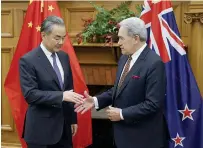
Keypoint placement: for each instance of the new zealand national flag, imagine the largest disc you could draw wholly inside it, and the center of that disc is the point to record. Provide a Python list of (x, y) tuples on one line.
[(184, 104)]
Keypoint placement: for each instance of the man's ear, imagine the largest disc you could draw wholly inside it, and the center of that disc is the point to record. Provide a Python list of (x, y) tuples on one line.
[(137, 38), (43, 35)]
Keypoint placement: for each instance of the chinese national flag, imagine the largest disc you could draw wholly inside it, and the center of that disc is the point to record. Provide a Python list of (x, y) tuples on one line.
[(30, 38)]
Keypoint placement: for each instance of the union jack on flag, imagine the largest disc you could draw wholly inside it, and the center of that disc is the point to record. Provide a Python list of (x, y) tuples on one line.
[(184, 104)]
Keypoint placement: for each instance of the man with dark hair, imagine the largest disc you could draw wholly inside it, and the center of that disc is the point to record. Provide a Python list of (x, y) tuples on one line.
[(47, 85)]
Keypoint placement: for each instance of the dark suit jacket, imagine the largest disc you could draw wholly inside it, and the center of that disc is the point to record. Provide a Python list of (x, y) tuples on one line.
[(141, 98), (46, 115)]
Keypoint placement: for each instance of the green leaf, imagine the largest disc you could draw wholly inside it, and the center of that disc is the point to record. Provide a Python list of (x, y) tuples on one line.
[(101, 26)]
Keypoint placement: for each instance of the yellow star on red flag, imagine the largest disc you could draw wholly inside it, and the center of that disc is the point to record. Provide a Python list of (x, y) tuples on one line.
[(30, 24), (50, 8), (38, 28)]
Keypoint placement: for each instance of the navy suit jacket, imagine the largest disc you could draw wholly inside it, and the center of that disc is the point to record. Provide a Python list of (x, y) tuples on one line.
[(141, 98), (47, 115)]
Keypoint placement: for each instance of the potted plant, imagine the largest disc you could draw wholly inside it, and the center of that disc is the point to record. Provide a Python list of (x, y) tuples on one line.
[(104, 28)]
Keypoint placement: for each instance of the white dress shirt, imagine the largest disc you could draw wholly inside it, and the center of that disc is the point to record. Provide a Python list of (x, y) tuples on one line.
[(49, 57), (134, 59)]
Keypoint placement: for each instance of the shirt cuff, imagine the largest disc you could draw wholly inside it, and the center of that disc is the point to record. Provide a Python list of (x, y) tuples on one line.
[(63, 98), (121, 115), (96, 104)]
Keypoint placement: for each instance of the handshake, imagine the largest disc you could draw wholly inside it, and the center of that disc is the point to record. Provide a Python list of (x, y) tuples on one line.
[(82, 103)]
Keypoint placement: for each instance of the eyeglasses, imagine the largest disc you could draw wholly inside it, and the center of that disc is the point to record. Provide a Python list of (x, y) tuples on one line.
[(58, 40)]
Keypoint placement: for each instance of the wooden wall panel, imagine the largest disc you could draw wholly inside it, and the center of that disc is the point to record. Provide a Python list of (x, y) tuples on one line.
[(9, 135), (19, 17), (73, 12), (7, 123), (194, 17), (94, 55), (74, 19), (7, 23), (12, 19), (99, 74)]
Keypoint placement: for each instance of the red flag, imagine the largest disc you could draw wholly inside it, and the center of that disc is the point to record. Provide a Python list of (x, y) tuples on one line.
[(30, 38)]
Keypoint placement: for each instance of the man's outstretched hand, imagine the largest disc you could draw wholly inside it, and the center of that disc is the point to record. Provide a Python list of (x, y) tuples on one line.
[(86, 105)]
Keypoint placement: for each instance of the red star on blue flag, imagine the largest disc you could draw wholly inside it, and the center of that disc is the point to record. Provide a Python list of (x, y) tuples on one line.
[(187, 113), (178, 140)]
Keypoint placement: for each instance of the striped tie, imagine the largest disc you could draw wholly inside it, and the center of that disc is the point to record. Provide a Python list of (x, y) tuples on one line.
[(125, 72)]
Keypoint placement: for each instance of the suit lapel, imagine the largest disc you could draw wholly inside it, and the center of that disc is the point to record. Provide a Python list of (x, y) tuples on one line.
[(120, 69), (47, 65), (135, 68)]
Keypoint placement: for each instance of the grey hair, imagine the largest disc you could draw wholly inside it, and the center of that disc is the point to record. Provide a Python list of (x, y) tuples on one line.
[(47, 24), (135, 26)]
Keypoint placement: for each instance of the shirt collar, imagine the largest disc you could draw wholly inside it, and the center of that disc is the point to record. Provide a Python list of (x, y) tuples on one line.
[(46, 51), (138, 52)]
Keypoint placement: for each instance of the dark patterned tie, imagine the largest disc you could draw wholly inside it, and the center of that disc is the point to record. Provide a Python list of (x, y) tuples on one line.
[(125, 72), (56, 69)]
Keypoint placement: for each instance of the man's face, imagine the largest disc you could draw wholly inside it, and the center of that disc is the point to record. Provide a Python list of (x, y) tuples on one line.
[(126, 42), (54, 40)]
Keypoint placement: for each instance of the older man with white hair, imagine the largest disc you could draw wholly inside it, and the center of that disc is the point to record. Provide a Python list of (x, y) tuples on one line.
[(137, 98)]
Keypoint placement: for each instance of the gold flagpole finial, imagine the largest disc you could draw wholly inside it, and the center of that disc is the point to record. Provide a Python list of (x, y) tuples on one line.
[(42, 5), (31, 1)]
